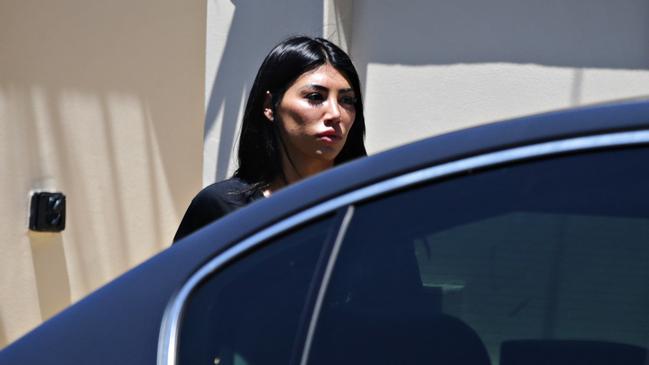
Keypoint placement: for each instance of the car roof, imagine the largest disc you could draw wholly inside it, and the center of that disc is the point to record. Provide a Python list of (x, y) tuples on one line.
[(491, 137), (99, 327)]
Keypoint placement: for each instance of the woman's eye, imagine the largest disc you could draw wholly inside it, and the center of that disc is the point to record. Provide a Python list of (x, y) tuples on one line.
[(349, 100), (315, 97)]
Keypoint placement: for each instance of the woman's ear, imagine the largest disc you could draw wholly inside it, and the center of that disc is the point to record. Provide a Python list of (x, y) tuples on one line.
[(268, 106)]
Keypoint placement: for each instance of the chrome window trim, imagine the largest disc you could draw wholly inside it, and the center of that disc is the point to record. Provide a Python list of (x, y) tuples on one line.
[(324, 283), (167, 342)]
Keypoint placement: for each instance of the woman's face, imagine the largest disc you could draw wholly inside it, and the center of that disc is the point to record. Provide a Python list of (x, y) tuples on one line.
[(315, 116)]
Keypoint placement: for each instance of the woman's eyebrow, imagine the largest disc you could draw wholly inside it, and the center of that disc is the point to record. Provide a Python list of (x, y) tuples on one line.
[(323, 88), (315, 86)]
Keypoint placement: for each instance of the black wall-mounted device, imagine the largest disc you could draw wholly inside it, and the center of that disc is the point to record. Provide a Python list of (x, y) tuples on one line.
[(47, 212)]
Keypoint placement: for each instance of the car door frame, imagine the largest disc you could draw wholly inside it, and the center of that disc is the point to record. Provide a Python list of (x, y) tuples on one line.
[(169, 329)]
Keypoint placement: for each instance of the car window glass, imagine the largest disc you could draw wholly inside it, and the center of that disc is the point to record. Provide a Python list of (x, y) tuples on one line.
[(539, 262), (252, 311)]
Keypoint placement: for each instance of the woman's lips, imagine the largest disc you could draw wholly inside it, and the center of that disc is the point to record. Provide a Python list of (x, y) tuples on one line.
[(328, 137)]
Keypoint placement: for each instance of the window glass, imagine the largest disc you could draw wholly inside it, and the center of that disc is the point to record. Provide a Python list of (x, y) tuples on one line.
[(253, 311), (540, 262)]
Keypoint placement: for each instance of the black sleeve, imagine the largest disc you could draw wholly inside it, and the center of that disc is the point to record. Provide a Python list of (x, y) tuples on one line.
[(205, 208)]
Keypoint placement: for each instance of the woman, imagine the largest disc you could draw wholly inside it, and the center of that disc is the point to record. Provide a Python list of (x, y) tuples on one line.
[(304, 115)]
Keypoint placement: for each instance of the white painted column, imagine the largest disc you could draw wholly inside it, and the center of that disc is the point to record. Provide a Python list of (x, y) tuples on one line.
[(337, 22)]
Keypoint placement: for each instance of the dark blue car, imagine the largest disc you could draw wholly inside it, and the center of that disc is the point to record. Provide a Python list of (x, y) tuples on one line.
[(521, 242)]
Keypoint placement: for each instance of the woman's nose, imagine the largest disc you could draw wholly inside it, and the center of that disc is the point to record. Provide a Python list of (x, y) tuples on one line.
[(333, 110)]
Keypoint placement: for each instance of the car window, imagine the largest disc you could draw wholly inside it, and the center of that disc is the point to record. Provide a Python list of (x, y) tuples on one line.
[(539, 262), (252, 312)]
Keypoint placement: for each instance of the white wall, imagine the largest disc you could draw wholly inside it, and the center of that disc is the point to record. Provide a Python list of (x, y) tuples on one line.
[(239, 35), (433, 66), (430, 67)]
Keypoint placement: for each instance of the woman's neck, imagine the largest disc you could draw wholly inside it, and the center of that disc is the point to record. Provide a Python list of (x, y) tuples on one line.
[(294, 170)]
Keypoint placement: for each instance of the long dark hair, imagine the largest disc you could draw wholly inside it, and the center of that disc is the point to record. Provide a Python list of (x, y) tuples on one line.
[(260, 147)]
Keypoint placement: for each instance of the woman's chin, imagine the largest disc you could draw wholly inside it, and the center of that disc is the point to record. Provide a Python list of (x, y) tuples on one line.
[(327, 153)]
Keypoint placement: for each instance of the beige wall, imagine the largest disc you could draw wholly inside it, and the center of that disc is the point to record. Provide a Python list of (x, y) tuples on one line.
[(102, 100)]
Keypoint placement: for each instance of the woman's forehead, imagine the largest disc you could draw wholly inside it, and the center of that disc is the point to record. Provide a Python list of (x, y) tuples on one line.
[(324, 75)]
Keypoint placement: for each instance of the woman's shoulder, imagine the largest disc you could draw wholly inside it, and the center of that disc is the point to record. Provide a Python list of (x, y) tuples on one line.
[(213, 202), (233, 191), (226, 186)]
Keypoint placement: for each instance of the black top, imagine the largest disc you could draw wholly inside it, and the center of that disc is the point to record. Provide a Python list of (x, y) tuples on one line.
[(215, 201)]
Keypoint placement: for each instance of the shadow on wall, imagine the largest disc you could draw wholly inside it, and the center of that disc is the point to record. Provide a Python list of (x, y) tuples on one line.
[(572, 33), (109, 107), (256, 27), (51, 272), (3, 337), (102, 49)]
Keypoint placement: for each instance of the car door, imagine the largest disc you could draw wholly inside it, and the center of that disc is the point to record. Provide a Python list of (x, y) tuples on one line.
[(252, 308), (525, 255), (534, 255)]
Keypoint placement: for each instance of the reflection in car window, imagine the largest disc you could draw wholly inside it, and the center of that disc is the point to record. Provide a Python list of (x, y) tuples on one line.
[(541, 262), (251, 313)]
